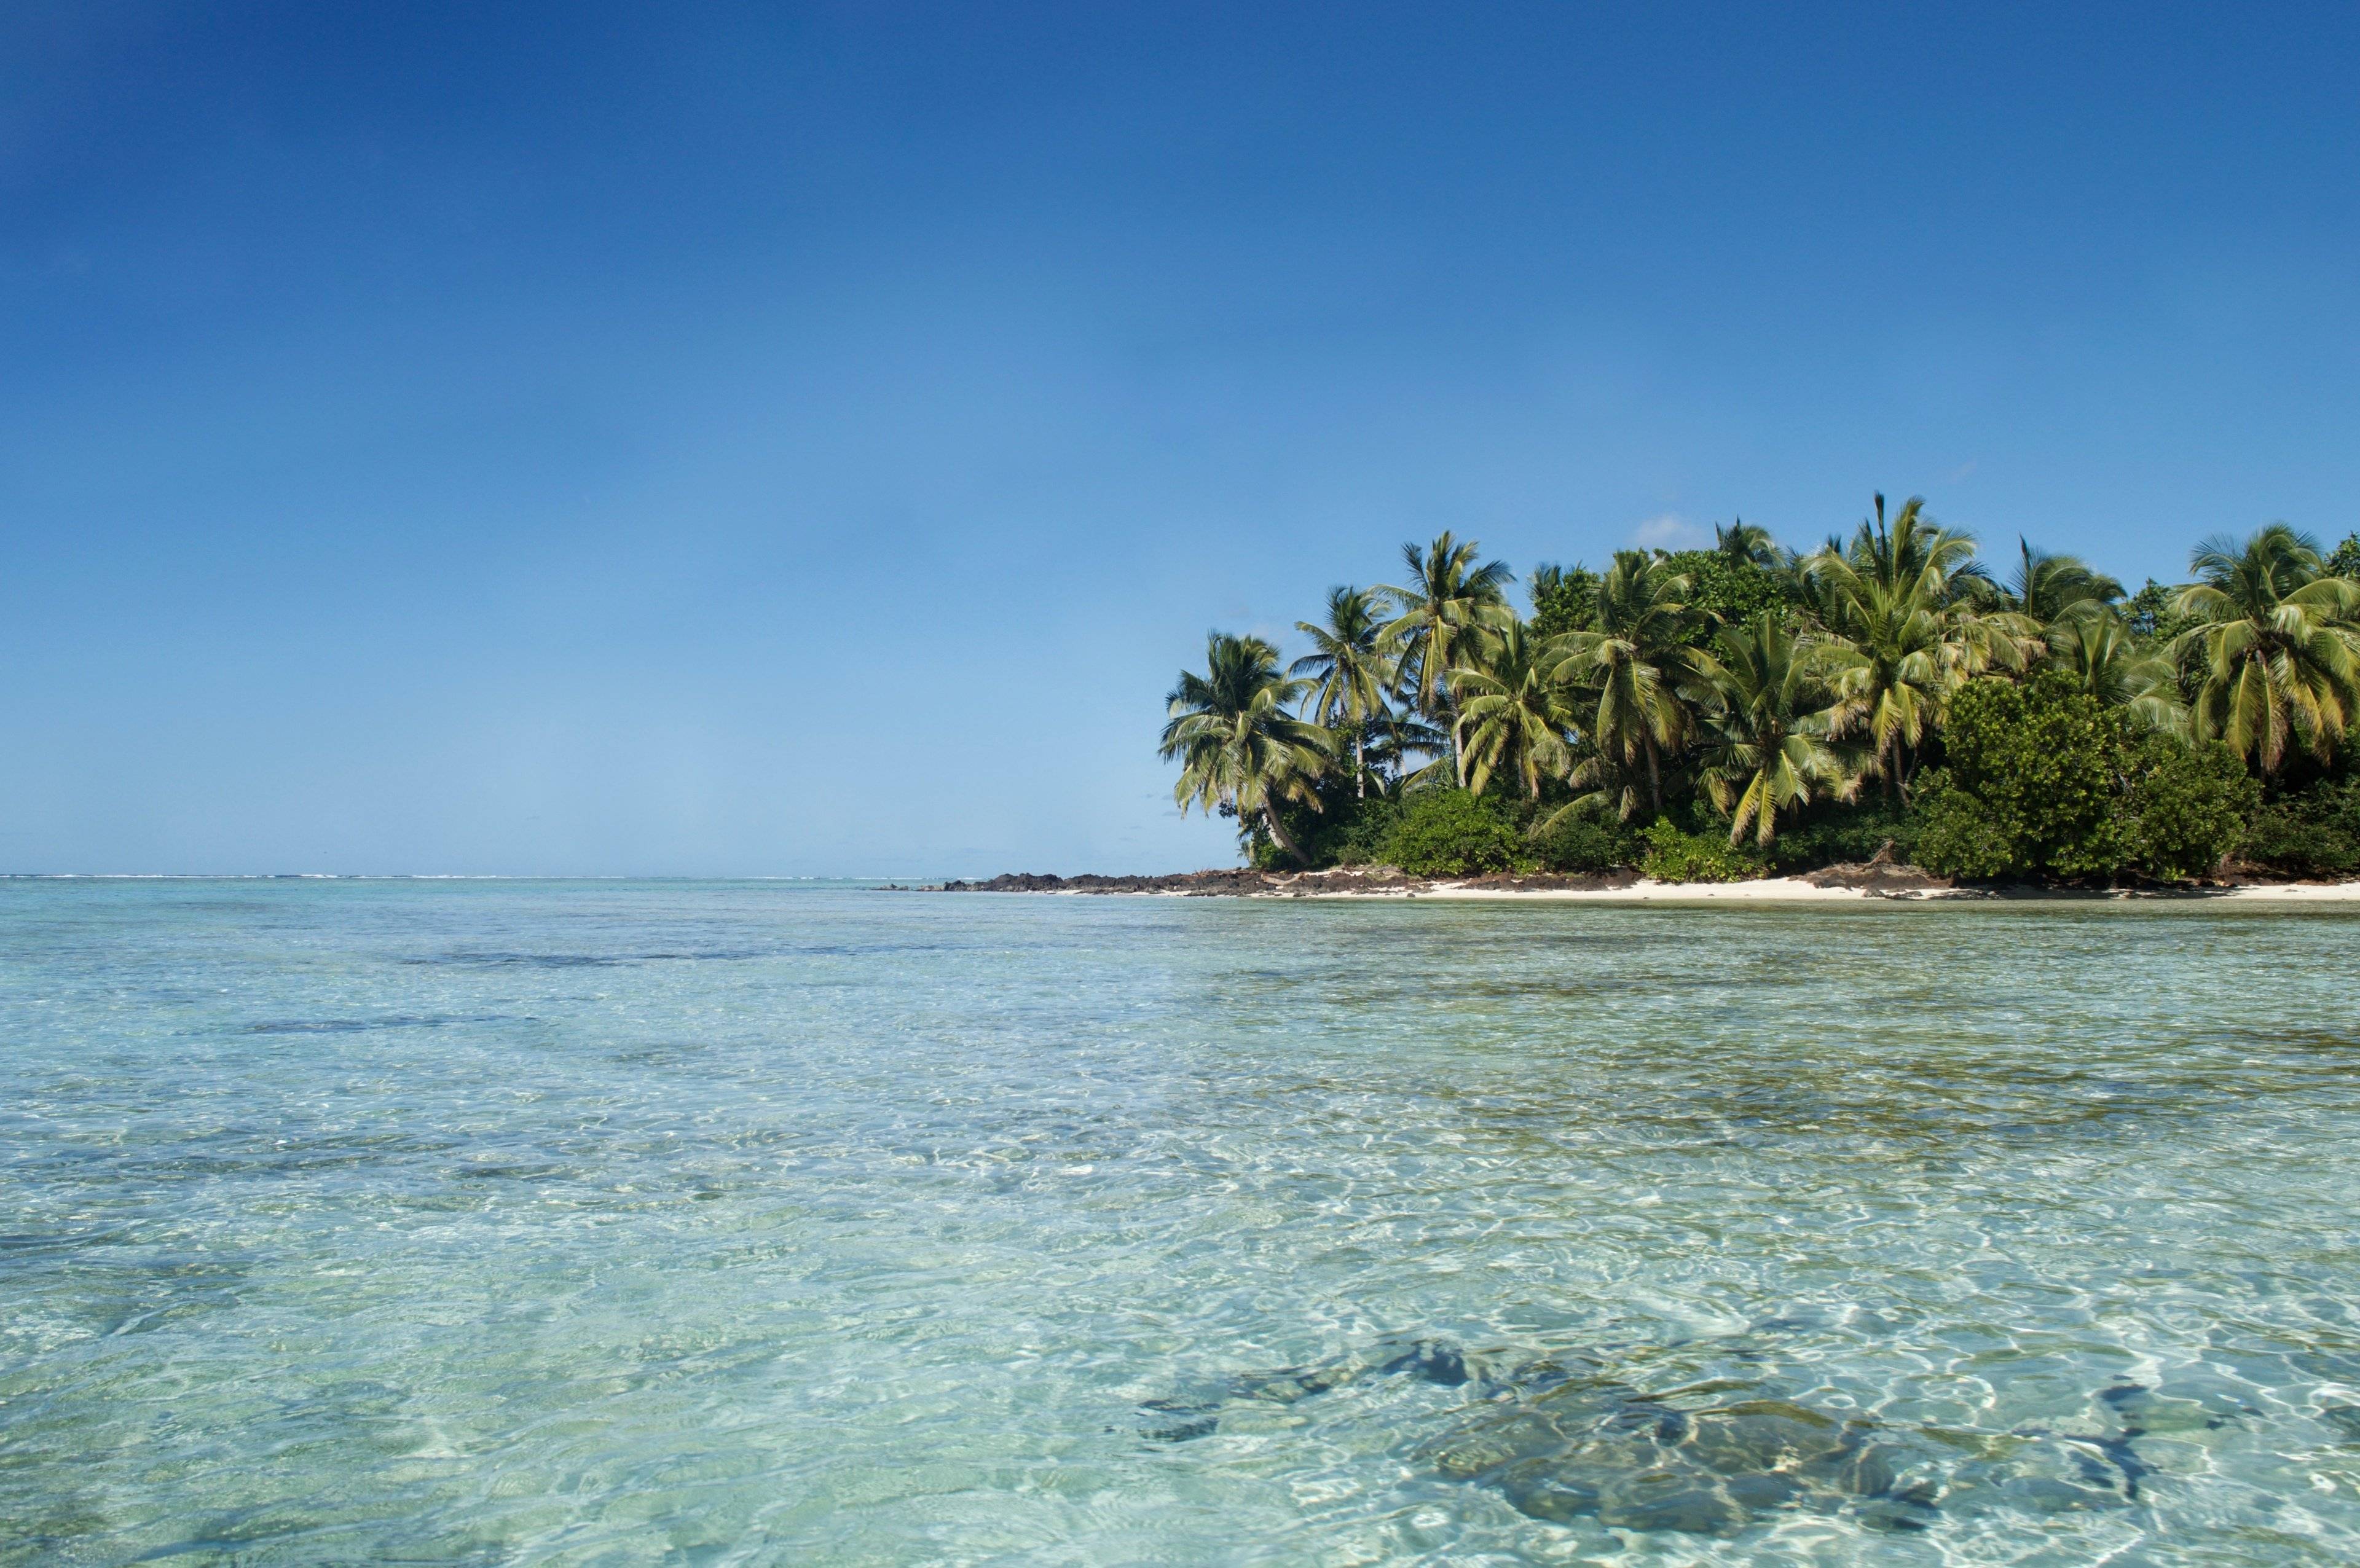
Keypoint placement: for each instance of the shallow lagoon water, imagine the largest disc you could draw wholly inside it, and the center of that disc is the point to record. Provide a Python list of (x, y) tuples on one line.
[(615, 1222)]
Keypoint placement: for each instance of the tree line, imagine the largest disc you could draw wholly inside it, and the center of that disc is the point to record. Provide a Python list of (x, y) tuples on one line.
[(1728, 712)]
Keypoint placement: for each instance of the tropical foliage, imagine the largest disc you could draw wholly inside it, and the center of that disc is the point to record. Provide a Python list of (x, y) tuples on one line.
[(1352, 687), (1241, 752), (2274, 634), (1514, 714), (1771, 718), (1708, 713), (1631, 662), (2045, 778), (1451, 605)]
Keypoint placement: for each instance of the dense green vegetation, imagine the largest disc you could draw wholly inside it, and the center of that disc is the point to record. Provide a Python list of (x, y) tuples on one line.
[(1730, 712)]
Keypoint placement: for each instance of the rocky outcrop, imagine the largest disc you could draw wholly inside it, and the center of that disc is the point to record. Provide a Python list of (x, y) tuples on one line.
[(1880, 873), (1871, 876)]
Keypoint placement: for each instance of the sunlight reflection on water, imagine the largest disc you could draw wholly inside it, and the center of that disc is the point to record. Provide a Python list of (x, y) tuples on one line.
[(711, 1223)]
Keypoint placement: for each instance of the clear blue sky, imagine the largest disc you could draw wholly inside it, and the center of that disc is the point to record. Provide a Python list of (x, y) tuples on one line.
[(711, 439)]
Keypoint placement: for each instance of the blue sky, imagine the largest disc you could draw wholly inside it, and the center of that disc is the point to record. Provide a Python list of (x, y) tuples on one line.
[(774, 440)]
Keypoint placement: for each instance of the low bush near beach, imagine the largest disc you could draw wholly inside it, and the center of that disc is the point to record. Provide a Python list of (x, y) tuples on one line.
[(1450, 832), (1580, 844), (2315, 832), (2044, 780), (1676, 857)]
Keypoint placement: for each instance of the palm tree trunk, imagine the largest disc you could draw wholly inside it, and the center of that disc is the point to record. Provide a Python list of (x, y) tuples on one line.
[(1655, 777), (1278, 831), (1361, 761)]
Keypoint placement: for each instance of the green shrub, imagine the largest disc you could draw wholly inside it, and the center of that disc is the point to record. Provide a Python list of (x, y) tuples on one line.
[(2030, 788), (1586, 843), (1342, 828), (1450, 832), (2150, 614), (1348, 829), (2045, 781), (1676, 857), (2313, 833), (1563, 601), (1731, 592), (1843, 834), (1960, 833), (2188, 806)]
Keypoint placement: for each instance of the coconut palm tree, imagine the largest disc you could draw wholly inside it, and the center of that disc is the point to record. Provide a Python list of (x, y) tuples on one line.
[(1449, 603), (2275, 643), (1769, 716), (2048, 587), (1513, 712), (1748, 545), (1393, 744), (1239, 746), (2096, 649), (1898, 607), (1634, 665), (1353, 676)]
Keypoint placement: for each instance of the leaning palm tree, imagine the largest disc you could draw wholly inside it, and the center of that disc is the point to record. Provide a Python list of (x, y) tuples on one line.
[(1769, 716), (1634, 665), (2277, 643), (2097, 652), (1898, 606), (2049, 588), (1239, 746), (1513, 712), (1449, 603)]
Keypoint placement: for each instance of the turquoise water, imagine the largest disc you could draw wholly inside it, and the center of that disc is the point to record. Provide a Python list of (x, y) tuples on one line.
[(747, 1224)]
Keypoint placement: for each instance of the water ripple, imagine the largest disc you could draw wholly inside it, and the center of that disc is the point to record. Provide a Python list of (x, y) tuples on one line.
[(744, 1224)]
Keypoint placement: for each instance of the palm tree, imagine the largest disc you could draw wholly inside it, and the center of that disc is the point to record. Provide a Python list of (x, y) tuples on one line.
[(1353, 678), (1748, 544), (1449, 603), (1390, 745), (1239, 746), (2097, 651), (2048, 587), (1634, 663), (1898, 606), (1770, 717), (2277, 644), (1513, 712)]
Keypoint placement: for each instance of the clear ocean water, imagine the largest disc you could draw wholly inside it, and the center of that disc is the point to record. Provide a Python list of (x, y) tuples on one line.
[(652, 1223)]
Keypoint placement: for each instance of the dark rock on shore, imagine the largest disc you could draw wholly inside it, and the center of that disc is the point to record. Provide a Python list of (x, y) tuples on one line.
[(1880, 873), (1878, 876), (1210, 883)]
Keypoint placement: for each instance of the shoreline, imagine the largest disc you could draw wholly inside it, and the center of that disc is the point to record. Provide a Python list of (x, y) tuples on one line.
[(1839, 884)]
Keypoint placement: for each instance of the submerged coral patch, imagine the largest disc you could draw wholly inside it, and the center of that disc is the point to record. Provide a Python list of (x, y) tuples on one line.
[(1568, 1438)]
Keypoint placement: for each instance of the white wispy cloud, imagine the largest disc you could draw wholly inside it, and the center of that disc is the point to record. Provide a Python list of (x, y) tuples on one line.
[(1668, 531)]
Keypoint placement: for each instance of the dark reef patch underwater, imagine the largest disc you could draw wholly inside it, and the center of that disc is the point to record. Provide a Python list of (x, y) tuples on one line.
[(1570, 1436)]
